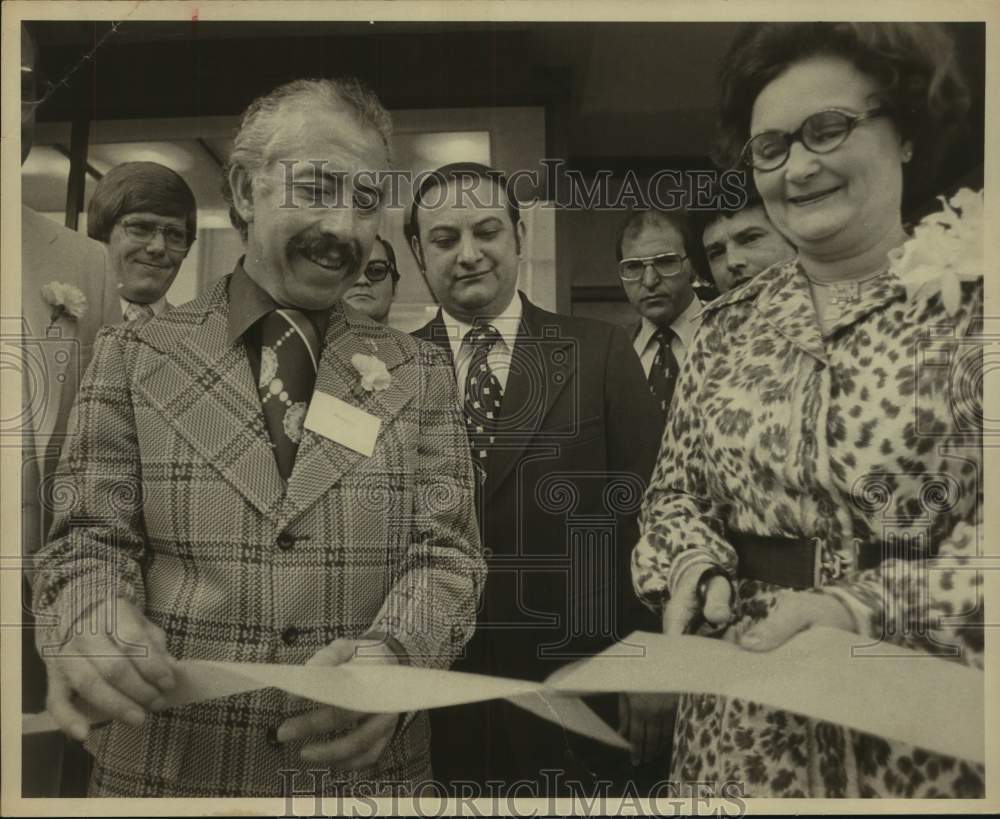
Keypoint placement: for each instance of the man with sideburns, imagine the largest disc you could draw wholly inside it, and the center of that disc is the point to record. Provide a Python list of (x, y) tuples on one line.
[(739, 243), (217, 513), (147, 217), (563, 435)]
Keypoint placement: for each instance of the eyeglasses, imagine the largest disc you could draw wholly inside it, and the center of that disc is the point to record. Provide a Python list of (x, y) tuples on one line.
[(378, 269), (174, 238), (821, 133), (665, 265)]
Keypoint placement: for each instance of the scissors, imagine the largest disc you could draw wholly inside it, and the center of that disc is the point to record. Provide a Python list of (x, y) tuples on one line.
[(698, 621)]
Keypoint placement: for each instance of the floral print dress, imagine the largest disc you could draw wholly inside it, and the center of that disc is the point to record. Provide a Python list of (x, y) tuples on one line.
[(867, 433)]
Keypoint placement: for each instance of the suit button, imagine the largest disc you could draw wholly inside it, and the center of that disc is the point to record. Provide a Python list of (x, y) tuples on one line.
[(286, 541), (290, 636)]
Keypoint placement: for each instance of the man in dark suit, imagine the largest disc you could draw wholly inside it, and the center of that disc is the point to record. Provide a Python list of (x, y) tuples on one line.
[(654, 266), (563, 435)]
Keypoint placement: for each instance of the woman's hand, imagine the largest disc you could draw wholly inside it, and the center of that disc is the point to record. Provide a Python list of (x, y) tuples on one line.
[(684, 605), (795, 611)]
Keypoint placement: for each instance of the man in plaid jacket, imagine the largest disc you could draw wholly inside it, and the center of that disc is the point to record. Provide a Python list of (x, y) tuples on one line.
[(198, 528)]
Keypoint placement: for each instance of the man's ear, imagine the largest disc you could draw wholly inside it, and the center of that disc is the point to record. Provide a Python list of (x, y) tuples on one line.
[(520, 233), (417, 252), (241, 185)]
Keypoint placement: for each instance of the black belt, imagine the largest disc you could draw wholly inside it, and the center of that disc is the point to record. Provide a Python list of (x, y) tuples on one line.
[(799, 563)]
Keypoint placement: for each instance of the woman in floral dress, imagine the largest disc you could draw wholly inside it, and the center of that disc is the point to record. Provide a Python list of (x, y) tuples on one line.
[(825, 429)]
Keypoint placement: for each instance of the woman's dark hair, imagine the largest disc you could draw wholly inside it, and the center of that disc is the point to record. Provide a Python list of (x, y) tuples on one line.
[(140, 187), (913, 64)]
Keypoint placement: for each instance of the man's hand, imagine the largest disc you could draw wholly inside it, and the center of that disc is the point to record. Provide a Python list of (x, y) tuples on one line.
[(795, 611), (366, 736), (117, 664), (647, 721), (683, 605)]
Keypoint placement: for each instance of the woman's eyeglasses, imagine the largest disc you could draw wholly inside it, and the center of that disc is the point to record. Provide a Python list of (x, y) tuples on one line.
[(665, 265), (174, 238), (378, 269), (821, 133)]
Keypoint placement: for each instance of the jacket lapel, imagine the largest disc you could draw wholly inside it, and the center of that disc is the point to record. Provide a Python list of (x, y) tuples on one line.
[(320, 462), (542, 365), (203, 387), (436, 332)]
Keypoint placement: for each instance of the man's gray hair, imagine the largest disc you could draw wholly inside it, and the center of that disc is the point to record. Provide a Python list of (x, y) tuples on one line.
[(261, 118)]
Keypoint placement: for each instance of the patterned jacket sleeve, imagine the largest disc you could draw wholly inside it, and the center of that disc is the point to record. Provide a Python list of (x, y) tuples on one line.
[(677, 527), (931, 608), (936, 606), (95, 547), (431, 608)]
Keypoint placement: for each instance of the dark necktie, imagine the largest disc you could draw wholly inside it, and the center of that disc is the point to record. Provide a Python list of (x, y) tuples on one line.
[(288, 358), (134, 310), (482, 392), (663, 373)]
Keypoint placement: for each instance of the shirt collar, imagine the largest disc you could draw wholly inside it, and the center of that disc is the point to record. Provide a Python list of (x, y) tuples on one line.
[(508, 324), (157, 306), (685, 325), (249, 302)]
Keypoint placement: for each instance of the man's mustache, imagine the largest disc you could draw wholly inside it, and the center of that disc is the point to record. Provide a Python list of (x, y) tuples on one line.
[(328, 251)]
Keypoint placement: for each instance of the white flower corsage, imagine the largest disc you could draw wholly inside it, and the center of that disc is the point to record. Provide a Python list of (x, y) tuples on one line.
[(374, 374), (946, 248), (65, 300)]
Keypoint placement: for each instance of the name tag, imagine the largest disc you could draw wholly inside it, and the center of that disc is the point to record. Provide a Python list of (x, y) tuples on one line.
[(343, 423)]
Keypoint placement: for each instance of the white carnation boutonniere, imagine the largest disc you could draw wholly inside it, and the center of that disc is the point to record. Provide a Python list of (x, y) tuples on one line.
[(946, 248), (374, 375), (64, 300)]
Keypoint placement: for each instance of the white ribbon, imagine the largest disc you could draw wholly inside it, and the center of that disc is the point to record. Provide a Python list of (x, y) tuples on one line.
[(822, 673)]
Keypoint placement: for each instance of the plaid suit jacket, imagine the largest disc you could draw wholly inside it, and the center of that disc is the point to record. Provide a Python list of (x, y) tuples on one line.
[(171, 498)]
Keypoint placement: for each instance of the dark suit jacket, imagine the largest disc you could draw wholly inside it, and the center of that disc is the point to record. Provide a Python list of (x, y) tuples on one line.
[(575, 446), (576, 443)]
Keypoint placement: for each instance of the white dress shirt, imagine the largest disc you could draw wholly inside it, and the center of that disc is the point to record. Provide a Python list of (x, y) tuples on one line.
[(508, 323), (684, 327)]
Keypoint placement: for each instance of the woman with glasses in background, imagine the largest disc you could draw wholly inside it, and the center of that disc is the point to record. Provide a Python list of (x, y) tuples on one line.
[(147, 216), (373, 292), (806, 435)]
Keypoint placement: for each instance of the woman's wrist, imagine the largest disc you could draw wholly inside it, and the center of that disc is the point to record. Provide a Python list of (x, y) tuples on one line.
[(831, 611)]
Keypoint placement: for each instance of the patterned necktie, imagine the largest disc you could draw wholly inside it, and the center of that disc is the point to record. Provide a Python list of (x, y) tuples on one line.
[(134, 311), (482, 391), (663, 373), (288, 360)]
